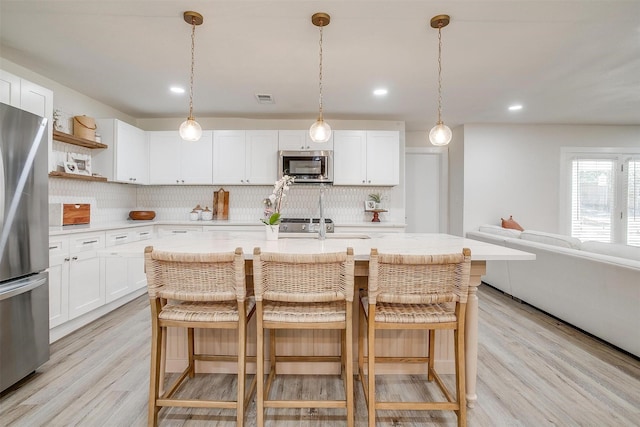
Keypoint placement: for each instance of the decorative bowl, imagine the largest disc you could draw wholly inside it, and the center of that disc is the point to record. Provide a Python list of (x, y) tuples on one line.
[(142, 215)]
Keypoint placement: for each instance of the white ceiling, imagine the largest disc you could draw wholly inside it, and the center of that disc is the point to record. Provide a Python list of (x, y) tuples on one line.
[(566, 61)]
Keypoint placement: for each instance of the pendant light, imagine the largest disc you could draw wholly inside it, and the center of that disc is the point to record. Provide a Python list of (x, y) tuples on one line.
[(320, 131), (190, 130), (440, 134)]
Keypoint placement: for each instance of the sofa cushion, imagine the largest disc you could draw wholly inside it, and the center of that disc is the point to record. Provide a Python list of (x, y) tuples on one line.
[(511, 223), (612, 249), (551, 239), (497, 230)]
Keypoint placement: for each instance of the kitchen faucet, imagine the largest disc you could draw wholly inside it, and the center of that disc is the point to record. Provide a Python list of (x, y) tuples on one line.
[(322, 227)]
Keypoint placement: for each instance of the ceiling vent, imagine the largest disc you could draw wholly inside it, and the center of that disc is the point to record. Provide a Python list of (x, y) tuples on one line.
[(265, 98)]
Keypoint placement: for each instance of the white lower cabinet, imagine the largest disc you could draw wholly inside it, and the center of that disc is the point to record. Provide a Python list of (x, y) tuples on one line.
[(85, 290), (83, 284), (123, 275), (58, 280)]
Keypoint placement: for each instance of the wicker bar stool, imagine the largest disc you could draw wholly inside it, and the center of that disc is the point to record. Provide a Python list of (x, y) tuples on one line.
[(415, 292), (303, 291), (197, 291)]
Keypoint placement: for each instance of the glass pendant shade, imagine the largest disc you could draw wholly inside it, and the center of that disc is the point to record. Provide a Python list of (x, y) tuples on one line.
[(440, 134), (320, 131), (190, 130)]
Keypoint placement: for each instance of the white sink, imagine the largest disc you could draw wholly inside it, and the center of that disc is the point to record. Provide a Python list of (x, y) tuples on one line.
[(329, 236)]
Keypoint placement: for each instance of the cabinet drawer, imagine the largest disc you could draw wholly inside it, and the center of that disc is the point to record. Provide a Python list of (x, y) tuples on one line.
[(86, 242), (58, 249), (119, 237), (185, 230), (143, 233)]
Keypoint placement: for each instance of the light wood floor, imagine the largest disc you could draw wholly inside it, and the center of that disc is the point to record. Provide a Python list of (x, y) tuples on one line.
[(533, 371)]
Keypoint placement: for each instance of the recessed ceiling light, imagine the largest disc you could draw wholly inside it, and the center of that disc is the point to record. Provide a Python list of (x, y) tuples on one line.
[(515, 107), (380, 92), (176, 89)]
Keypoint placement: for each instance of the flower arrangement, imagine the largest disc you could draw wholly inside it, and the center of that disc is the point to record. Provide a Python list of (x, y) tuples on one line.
[(273, 203)]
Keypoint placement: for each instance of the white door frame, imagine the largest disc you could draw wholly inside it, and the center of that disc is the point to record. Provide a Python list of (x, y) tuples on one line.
[(443, 152)]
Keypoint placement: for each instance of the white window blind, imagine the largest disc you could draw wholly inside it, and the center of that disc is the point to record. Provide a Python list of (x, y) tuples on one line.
[(633, 203), (593, 192)]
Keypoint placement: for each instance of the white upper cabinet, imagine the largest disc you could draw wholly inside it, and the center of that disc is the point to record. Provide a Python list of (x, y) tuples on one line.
[(175, 161), (9, 89), (366, 158), (30, 97), (245, 157), (299, 140), (127, 157)]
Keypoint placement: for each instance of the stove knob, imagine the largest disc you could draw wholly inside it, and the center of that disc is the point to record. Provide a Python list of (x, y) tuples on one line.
[(304, 227)]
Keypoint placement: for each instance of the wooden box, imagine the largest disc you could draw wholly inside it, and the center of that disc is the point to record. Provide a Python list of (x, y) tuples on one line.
[(69, 214)]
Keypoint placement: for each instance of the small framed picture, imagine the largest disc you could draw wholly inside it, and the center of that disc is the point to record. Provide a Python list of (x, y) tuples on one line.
[(369, 205), (70, 167), (82, 163)]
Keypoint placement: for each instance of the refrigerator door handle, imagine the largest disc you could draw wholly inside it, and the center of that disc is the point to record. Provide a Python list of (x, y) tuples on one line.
[(21, 286), (4, 192)]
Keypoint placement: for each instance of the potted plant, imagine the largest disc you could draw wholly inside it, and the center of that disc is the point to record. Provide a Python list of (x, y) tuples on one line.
[(273, 205), (376, 197)]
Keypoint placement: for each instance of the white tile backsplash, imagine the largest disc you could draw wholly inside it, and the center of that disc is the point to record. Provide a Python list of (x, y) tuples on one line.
[(112, 202)]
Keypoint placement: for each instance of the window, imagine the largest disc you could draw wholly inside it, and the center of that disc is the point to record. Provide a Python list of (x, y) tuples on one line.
[(604, 195)]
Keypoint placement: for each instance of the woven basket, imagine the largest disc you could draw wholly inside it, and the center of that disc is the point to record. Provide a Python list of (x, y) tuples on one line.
[(84, 127)]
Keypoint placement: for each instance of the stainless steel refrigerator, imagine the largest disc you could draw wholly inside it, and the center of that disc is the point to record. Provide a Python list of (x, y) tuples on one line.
[(24, 238)]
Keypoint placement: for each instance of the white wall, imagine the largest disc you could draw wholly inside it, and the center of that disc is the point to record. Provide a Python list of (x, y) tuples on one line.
[(515, 169), (456, 182)]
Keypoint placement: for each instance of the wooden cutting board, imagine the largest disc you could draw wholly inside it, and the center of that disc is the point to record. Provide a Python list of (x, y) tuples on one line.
[(221, 204)]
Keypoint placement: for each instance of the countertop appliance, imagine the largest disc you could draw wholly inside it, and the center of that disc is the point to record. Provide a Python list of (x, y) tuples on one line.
[(303, 225), (306, 166), (24, 244)]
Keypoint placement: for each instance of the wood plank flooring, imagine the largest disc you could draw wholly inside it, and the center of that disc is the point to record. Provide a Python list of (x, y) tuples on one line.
[(533, 370)]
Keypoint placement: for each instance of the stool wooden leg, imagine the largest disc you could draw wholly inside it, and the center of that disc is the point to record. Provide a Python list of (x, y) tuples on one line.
[(259, 367), (154, 377), (191, 345), (348, 357), (242, 348), (432, 347), (371, 358)]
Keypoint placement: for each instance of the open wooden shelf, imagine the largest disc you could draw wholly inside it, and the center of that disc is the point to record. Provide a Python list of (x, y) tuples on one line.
[(76, 176), (71, 139)]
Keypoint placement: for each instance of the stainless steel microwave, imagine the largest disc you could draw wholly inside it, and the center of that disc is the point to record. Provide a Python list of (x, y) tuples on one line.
[(307, 166)]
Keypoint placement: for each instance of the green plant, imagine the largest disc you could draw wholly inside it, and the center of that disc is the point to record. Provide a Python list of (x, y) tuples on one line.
[(376, 197)]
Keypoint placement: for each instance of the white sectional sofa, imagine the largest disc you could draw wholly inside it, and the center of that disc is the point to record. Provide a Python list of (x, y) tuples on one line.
[(592, 285)]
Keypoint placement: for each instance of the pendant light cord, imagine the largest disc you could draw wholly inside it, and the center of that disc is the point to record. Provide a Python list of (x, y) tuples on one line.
[(439, 74), (320, 75), (193, 48)]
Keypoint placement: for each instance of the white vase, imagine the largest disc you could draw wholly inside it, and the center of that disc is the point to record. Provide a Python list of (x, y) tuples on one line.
[(271, 231)]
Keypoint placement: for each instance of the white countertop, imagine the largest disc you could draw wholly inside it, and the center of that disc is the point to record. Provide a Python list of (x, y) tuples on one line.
[(86, 228), (406, 243)]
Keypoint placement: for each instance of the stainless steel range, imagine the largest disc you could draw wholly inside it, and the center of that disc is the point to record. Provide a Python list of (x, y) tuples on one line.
[(304, 225)]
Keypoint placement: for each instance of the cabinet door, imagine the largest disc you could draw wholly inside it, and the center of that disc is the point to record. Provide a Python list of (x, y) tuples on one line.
[(299, 140), (164, 157), (383, 152), (229, 157), (116, 280), (293, 140), (85, 290), (349, 157), (261, 163), (36, 99), (9, 89), (136, 275), (132, 154), (196, 161), (58, 281)]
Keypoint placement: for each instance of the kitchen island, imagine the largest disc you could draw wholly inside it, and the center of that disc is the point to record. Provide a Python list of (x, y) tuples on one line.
[(392, 343)]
